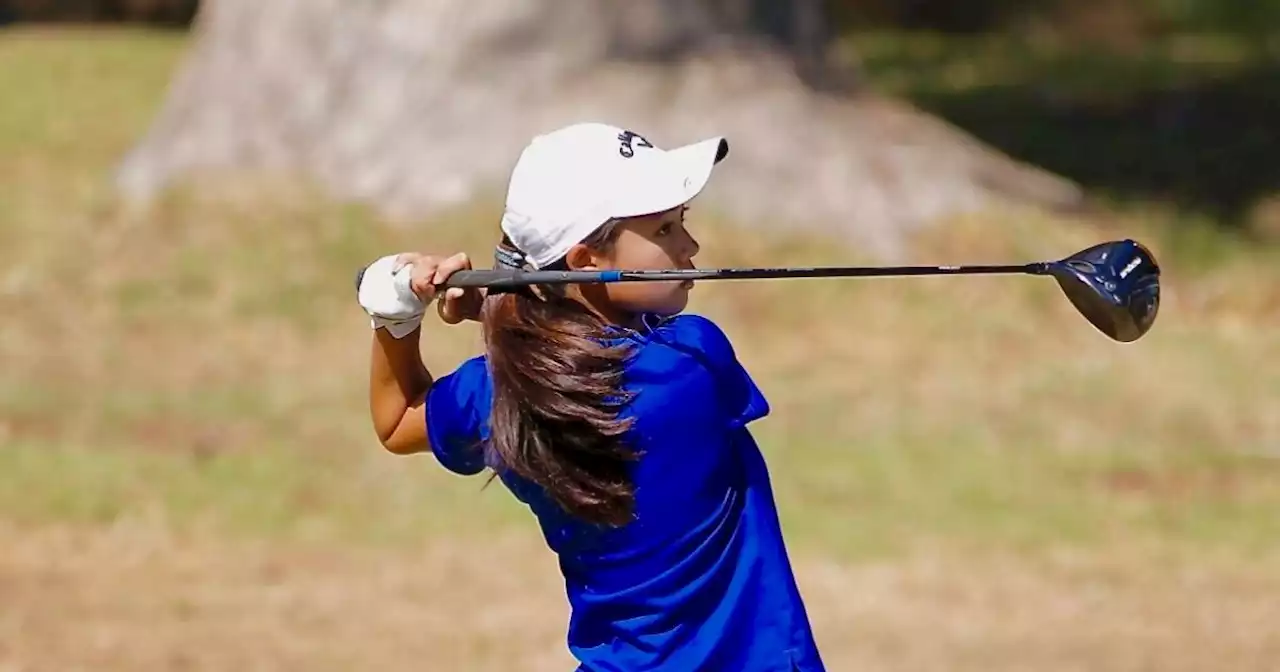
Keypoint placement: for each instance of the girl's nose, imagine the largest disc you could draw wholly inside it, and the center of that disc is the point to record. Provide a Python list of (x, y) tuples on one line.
[(691, 245)]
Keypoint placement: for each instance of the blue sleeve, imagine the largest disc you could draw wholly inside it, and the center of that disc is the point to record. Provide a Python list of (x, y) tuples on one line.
[(742, 399), (457, 411)]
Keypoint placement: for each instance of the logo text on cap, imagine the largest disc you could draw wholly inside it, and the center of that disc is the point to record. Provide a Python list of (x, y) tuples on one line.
[(627, 138)]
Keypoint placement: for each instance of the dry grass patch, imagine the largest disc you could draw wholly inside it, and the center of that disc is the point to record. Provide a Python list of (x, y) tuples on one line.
[(140, 597)]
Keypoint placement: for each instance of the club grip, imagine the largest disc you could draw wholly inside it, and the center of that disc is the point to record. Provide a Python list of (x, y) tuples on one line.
[(506, 278), (485, 278)]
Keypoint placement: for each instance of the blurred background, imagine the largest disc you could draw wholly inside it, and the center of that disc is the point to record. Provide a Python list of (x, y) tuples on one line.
[(970, 477)]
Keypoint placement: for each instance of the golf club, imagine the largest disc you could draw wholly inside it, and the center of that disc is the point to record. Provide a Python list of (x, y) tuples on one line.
[(1115, 285)]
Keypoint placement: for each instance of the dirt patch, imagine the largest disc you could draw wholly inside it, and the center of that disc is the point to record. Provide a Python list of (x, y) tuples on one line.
[(140, 598)]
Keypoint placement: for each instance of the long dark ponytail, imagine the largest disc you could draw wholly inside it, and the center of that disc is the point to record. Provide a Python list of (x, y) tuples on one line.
[(557, 393)]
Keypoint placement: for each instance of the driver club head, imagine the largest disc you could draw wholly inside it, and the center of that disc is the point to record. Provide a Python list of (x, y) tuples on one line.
[(1115, 285)]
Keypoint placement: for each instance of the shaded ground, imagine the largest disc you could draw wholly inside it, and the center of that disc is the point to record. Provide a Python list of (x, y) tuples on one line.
[(1189, 120)]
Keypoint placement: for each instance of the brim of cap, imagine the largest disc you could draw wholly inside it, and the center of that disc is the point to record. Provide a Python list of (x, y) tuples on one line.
[(673, 178)]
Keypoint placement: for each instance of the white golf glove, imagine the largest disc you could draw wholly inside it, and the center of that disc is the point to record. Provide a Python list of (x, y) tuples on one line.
[(387, 298)]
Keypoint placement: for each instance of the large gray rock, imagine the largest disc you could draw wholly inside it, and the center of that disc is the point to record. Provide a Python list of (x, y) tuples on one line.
[(415, 105)]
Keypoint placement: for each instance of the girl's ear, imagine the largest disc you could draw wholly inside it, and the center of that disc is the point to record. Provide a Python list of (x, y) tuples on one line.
[(582, 258)]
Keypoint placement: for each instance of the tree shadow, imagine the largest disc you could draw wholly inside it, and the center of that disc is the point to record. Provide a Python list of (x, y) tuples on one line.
[(174, 14), (1206, 139)]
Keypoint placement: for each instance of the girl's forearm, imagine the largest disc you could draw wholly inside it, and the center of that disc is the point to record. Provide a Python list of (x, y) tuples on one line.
[(398, 383)]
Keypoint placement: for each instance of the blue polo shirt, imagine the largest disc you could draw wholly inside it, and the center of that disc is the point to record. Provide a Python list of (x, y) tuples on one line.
[(700, 580)]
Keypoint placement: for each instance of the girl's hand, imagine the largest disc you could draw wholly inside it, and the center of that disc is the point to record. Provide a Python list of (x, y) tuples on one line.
[(457, 303)]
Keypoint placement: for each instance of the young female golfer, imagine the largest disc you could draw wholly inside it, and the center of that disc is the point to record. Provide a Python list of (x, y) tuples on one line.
[(619, 421)]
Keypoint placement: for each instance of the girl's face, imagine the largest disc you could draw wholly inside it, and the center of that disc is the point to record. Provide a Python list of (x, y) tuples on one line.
[(652, 242)]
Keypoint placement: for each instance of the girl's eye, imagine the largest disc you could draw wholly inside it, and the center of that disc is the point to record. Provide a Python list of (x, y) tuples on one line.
[(664, 229)]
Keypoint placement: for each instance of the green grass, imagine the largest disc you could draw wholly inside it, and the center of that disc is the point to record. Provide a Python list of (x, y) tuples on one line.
[(163, 365), (275, 491)]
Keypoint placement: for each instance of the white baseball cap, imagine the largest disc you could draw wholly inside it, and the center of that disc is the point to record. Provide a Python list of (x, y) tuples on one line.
[(570, 181)]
